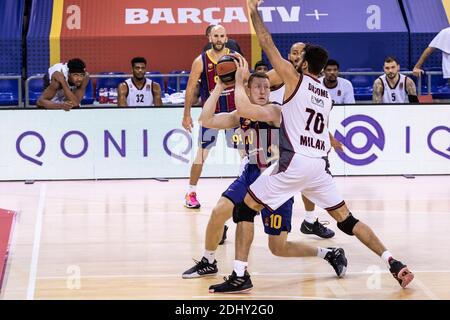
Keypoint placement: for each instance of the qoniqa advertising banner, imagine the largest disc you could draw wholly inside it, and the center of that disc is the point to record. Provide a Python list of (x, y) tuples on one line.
[(150, 143)]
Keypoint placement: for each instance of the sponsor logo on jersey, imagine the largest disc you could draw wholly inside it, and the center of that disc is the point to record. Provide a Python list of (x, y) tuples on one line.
[(148, 87), (210, 66), (339, 93), (401, 86), (317, 101)]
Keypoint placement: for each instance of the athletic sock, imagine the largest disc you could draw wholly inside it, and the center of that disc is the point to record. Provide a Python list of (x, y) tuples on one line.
[(322, 252), (240, 267), (192, 189), (210, 255), (310, 216)]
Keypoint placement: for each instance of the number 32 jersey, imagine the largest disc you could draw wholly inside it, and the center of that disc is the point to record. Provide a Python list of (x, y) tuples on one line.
[(142, 97), (304, 125)]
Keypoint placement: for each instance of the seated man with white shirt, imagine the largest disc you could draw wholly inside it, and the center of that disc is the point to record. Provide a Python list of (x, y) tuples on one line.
[(341, 90), (65, 85)]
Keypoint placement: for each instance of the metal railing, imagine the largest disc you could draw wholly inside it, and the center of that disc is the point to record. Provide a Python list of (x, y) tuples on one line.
[(105, 76), (428, 76), (19, 87)]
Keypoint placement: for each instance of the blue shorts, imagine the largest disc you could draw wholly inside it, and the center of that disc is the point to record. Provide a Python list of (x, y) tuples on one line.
[(238, 189), (279, 220), (207, 138), (274, 222)]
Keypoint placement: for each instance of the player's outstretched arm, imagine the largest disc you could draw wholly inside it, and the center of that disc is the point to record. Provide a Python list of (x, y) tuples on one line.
[(284, 68), (244, 107), (196, 70), (417, 71), (209, 119)]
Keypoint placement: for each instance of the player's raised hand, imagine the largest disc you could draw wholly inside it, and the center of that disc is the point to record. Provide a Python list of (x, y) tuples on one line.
[(253, 4), (241, 69)]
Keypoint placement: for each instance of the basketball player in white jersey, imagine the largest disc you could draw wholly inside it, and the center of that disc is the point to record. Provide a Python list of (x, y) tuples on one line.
[(310, 224), (340, 89), (304, 142), (139, 91), (393, 87), (65, 85)]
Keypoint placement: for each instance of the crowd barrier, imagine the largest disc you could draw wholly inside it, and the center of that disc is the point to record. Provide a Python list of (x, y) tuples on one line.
[(120, 143)]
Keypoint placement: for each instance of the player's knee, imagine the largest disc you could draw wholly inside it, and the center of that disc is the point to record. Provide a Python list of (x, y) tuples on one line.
[(348, 224), (242, 212), (277, 248), (219, 215)]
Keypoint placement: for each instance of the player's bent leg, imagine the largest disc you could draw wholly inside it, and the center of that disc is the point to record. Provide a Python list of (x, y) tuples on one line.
[(222, 212), (207, 266), (239, 281), (352, 226), (281, 247)]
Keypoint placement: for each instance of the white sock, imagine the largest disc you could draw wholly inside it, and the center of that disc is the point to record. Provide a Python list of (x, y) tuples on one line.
[(386, 256), (322, 252), (310, 216), (191, 188), (210, 255), (240, 267)]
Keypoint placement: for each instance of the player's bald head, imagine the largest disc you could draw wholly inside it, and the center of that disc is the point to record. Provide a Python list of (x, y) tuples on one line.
[(299, 46), (219, 29), (295, 53)]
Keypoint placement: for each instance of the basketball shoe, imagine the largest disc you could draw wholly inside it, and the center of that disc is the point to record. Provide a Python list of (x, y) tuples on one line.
[(190, 201), (202, 268), (316, 228), (233, 284), (336, 257), (400, 272)]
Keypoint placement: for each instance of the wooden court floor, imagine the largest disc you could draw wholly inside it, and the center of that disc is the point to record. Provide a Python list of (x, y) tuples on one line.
[(132, 239)]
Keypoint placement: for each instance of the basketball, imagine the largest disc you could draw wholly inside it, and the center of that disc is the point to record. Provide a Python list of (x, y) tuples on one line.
[(226, 69)]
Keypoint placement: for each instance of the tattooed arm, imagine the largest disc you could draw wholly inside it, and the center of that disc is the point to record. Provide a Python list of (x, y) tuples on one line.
[(378, 89)]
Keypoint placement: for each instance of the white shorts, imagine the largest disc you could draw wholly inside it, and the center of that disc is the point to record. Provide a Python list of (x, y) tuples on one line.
[(310, 176)]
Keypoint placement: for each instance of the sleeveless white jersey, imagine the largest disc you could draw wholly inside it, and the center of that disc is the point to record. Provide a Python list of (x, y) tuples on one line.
[(139, 97), (398, 93), (304, 126), (61, 67), (342, 93), (277, 95)]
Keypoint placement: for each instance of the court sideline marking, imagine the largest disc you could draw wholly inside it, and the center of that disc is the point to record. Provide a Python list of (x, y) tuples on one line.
[(36, 243)]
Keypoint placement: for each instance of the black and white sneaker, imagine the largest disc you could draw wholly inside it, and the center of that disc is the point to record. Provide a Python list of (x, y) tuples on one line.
[(224, 235), (316, 228), (400, 272), (202, 268), (336, 257), (233, 284)]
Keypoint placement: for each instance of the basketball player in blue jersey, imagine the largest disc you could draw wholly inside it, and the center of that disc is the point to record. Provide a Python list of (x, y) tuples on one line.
[(139, 91), (204, 67), (303, 143), (257, 138)]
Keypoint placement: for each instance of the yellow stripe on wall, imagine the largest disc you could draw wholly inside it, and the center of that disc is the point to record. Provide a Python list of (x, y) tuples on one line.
[(55, 32), (446, 4), (256, 48)]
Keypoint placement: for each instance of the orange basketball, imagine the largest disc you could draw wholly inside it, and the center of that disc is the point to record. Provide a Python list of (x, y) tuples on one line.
[(226, 69)]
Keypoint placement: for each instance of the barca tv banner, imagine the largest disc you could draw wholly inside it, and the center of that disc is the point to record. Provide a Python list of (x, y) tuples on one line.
[(129, 143), (171, 33)]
